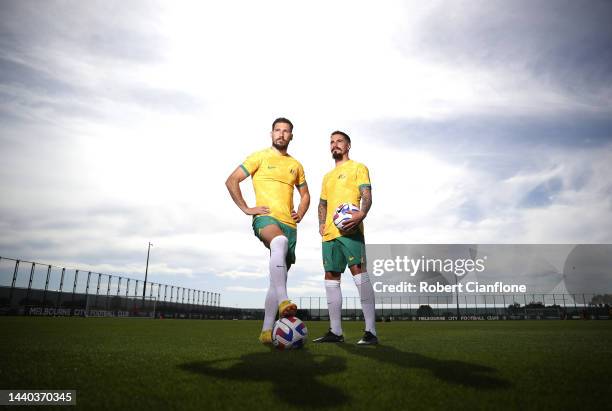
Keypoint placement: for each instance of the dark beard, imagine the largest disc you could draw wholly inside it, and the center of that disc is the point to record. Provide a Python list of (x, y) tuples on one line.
[(279, 146), (336, 155)]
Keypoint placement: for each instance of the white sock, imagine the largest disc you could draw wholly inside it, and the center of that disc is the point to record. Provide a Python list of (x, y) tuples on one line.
[(366, 293), (271, 308), (278, 267), (334, 305)]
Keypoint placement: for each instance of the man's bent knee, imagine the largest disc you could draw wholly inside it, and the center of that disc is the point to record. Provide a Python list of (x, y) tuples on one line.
[(269, 232), (357, 269), (280, 243), (331, 275)]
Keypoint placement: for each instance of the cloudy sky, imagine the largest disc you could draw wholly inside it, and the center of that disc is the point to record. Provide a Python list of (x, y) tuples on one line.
[(480, 121)]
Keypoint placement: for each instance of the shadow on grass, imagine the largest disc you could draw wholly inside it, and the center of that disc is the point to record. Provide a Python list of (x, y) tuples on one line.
[(452, 371), (293, 375)]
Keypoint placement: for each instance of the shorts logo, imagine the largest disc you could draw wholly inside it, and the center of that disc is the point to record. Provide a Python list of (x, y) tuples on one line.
[(351, 258)]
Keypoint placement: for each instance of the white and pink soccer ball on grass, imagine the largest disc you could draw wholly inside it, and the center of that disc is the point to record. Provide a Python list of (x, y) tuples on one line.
[(289, 333)]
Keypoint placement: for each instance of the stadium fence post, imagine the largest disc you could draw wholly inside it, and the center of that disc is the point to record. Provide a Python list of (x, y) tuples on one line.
[(108, 287), (575, 305), (74, 285), (97, 291), (408, 311), (27, 300), (87, 285), (44, 300), (127, 290), (189, 297), (447, 310), (13, 282), (61, 288), (401, 308), (135, 299), (564, 306), (310, 305)]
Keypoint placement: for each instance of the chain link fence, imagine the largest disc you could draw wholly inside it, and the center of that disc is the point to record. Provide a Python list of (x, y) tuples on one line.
[(28, 287), (469, 307), (31, 288)]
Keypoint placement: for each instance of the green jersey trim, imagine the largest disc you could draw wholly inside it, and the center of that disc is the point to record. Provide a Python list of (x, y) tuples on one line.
[(245, 170)]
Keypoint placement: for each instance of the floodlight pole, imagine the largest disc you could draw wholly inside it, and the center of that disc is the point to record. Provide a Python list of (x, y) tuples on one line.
[(144, 289)]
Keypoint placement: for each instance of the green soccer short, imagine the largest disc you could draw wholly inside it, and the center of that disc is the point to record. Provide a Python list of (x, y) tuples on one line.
[(262, 221), (343, 251)]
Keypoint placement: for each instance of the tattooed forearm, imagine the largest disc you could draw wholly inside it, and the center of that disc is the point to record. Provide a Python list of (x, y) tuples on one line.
[(366, 199), (322, 211)]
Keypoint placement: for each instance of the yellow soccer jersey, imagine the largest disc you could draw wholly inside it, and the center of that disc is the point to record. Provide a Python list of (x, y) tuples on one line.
[(342, 185), (274, 176)]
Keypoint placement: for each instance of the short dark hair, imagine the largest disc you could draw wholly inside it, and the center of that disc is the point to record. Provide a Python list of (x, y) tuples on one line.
[(282, 120), (343, 134)]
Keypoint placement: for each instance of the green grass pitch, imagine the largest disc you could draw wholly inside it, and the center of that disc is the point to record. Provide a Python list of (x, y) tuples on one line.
[(195, 364)]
